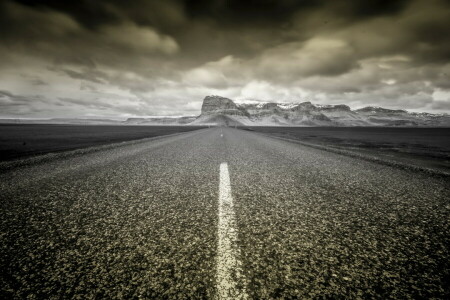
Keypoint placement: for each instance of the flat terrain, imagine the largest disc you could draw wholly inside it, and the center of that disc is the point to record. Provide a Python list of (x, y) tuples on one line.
[(141, 221), (24, 140), (424, 147)]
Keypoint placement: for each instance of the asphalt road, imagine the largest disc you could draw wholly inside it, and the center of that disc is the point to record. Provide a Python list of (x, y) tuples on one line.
[(161, 219)]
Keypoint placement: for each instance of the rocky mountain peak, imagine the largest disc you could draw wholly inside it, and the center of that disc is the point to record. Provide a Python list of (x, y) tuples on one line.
[(221, 110), (220, 105), (376, 110), (214, 103), (306, 106), (339, 107)]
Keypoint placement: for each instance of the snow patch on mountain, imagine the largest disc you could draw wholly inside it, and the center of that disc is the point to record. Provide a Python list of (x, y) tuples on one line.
[(263, 113), (221, 111)]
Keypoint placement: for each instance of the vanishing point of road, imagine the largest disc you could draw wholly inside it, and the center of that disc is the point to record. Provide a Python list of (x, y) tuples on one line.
[(222, 213)]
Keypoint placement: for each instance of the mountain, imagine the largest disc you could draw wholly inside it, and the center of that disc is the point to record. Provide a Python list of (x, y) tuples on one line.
[(222, 111), (213, 105), (388, 117)]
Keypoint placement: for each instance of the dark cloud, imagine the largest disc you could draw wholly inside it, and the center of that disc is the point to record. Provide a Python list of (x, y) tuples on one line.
[(18, 105), (34, 80), (83, 103), (163, 56), (89, 13), (251, 12), (90, 76), (92, 13), (8, 98), (372, 8)]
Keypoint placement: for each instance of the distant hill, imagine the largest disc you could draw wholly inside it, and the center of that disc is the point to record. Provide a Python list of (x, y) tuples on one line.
[(221, 111), (308, 114), (159, 121)]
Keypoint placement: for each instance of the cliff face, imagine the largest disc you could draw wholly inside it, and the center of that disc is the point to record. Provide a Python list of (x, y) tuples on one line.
[(221, 111), (220, 105), (307, 114)]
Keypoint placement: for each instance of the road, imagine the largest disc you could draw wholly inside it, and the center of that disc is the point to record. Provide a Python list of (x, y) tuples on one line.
[(218, 213)]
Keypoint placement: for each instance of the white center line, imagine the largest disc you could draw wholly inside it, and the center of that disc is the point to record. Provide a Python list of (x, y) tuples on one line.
[(231, 283)]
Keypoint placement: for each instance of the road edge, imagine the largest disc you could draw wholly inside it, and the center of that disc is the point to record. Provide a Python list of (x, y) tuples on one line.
[(48, 157), (348, 153)]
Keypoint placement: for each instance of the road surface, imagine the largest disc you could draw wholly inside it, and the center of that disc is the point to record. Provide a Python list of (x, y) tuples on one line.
[(221, 213)]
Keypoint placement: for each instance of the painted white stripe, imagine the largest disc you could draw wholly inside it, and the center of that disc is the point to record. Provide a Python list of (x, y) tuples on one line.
[(231, 283)]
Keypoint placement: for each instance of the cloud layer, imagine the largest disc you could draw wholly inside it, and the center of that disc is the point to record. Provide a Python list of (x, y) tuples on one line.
[(161, 57)]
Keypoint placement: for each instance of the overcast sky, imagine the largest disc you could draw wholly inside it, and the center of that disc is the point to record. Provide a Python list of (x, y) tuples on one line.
[(162, 57)]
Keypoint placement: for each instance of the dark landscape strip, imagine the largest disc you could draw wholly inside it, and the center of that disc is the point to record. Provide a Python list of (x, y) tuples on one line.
[(51, 156), (386, 162)]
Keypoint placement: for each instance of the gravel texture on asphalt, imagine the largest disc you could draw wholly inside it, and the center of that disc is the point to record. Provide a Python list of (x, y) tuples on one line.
[(140, 221)]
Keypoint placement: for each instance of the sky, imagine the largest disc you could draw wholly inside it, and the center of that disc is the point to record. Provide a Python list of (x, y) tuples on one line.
[(118, 59)]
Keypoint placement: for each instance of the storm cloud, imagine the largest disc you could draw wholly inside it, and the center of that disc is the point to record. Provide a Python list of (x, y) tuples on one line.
[(162, 57)]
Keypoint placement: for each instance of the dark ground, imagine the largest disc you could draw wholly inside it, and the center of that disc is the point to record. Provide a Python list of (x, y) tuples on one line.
[(24, 140), (423, 147), (140, 222)]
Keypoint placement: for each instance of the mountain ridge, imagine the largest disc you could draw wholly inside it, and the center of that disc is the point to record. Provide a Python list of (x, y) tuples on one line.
[(308, 114), (222, 111)]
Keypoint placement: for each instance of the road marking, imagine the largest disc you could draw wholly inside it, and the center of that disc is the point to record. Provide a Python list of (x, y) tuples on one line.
[(230, 278), (221, 135)]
